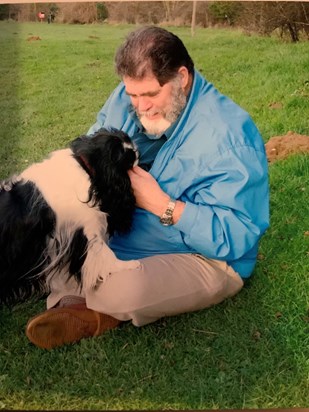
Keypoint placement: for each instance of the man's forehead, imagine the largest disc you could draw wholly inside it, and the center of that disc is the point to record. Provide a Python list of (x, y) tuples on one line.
[(141, 86)]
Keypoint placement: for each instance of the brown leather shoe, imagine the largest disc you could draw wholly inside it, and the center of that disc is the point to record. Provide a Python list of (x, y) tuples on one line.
[(60, 326)]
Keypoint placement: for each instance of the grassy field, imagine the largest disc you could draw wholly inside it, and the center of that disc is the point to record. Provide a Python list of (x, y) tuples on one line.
[(252, 351)]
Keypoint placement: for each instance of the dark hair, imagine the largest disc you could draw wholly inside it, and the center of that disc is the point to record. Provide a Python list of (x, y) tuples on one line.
[(152, 50)]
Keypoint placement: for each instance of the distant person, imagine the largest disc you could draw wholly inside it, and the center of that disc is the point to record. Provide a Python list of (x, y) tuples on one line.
[(41, 16), (201, 195)]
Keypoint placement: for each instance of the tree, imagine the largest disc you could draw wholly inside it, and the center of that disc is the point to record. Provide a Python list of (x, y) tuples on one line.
[(225, 12), (81, 13), (4, 11), (102, 12), (289, 18)]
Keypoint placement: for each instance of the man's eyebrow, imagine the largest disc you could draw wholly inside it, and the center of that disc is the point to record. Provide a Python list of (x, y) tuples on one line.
[(149, 94)]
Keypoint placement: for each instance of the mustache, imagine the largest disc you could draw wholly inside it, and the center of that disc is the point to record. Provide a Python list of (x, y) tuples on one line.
[(147, 113)]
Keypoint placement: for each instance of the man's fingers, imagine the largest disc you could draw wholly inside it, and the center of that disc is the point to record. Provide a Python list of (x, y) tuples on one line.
[(139, 171)]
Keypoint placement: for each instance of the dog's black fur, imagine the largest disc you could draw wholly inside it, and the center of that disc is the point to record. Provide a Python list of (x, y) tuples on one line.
[(40, 238)]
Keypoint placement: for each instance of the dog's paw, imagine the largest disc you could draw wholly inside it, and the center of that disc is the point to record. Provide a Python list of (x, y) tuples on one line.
[(126, 265), (134, 264), (119, 266)]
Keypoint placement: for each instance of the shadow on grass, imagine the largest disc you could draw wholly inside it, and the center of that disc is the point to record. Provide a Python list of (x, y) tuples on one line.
[(240, 354), (10, 119)]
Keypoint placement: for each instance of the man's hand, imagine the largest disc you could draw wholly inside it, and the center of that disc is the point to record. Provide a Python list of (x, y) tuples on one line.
[(149, 195)]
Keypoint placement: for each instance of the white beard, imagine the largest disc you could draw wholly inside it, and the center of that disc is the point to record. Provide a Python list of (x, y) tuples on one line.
[(155, 127)]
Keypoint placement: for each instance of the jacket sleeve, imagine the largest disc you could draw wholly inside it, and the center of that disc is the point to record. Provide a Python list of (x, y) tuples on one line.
[(228, 210)]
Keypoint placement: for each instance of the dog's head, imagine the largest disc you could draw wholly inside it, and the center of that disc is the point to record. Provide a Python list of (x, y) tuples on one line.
[(107, 156)]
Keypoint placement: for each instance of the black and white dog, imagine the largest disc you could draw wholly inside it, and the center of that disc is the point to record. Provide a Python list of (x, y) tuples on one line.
[(56, 216)]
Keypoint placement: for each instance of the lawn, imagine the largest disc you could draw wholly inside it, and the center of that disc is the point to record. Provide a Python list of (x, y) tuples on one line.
[(251, 351)]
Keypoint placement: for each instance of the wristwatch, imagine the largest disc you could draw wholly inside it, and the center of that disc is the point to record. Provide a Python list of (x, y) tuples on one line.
[(167, 218)]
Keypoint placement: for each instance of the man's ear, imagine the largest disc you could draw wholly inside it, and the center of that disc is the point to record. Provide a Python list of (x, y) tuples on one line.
[(184, 76)]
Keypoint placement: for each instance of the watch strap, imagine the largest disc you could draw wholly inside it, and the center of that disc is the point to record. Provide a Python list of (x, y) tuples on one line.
[(167, 217)]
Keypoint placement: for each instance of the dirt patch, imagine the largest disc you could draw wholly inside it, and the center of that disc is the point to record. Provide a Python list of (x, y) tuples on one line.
[(280, 147), (33, 38), (275, 105)]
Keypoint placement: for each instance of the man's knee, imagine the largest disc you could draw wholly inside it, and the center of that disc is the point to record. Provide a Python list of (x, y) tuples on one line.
[(120, 294)]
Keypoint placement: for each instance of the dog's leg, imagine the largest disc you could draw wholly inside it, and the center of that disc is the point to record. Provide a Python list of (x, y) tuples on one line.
[(101, 262)]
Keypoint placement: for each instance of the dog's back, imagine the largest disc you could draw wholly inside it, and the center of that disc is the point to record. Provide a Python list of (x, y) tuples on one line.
[(62, 182)]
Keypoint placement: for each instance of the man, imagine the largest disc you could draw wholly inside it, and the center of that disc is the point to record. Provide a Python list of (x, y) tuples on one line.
[(201, 195)]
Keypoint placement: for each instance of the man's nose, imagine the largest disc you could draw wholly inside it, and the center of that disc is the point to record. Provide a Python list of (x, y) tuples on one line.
[(144, 103)]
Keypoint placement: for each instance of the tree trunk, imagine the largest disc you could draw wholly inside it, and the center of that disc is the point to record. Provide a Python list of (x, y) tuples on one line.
[(292, 27), (193, 18)]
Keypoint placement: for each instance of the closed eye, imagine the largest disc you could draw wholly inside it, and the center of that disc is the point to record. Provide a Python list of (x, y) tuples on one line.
[(148, 94)]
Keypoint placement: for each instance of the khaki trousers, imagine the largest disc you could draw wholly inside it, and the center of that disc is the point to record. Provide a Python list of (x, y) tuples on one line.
[(164, 285)]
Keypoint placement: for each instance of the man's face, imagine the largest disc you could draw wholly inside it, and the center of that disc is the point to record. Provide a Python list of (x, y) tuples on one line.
[(156, 106)]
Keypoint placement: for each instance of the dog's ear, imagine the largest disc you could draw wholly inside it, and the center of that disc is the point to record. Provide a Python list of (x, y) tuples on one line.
[(111, 189), (120, 205), (82, 149)]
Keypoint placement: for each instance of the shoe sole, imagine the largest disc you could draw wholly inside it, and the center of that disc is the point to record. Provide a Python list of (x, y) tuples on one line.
[(60, 326)]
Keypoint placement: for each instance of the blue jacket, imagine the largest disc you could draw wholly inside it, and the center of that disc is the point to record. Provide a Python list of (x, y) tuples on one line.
[(214, 161)]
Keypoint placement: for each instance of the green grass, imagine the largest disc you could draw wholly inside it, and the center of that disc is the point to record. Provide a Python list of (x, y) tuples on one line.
[(251, 351)]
